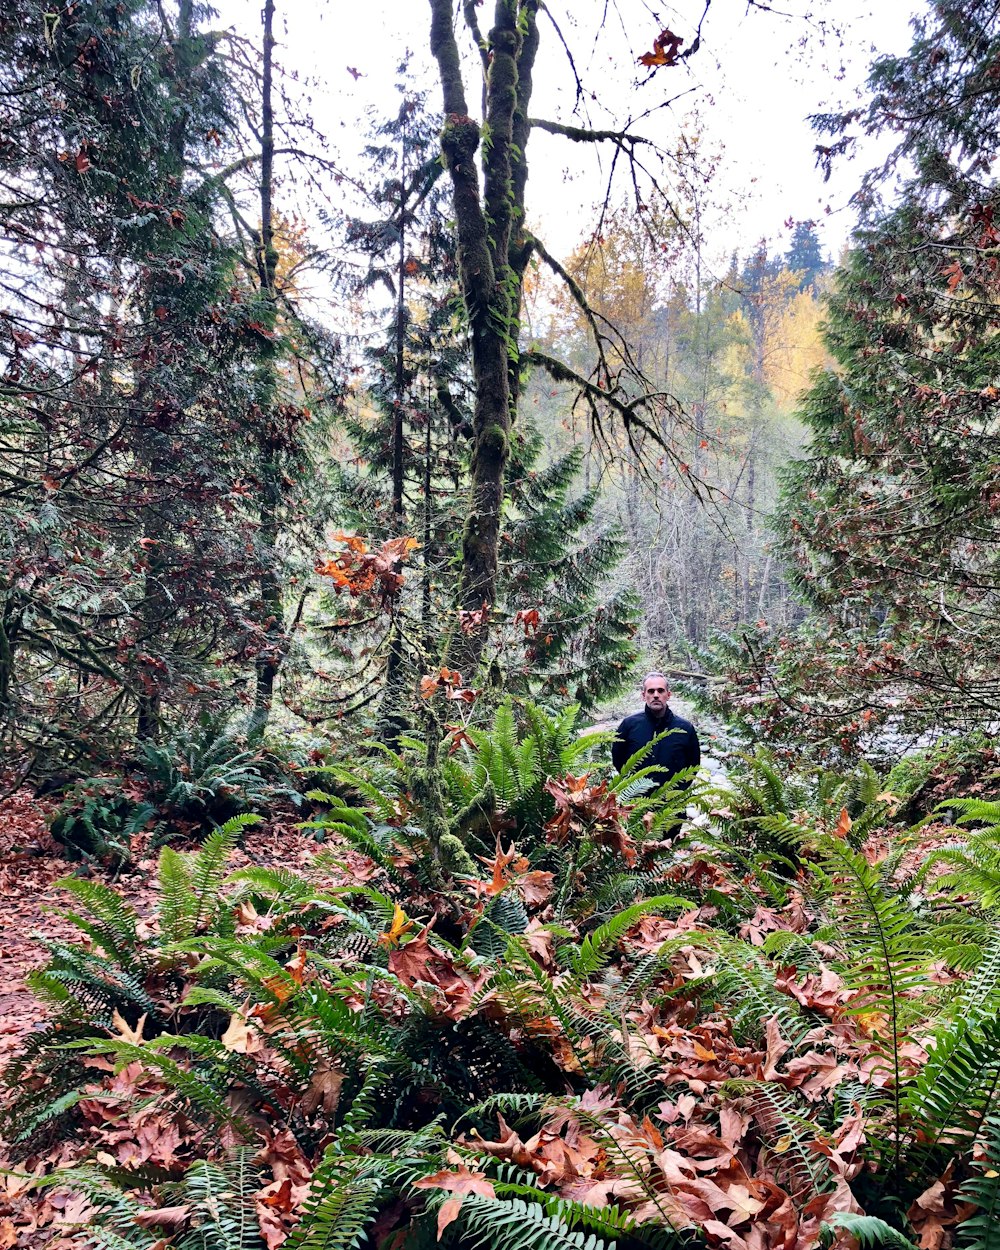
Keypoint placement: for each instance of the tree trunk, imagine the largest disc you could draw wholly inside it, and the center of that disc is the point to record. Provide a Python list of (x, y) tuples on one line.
[(487, 226), (269, 662), (156, 606), (391, 722)]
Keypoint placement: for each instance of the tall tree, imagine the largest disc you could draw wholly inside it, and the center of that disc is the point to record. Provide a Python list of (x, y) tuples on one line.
[(804, 256), (555, 625), (494, 248), (131, 357), (892, 515)]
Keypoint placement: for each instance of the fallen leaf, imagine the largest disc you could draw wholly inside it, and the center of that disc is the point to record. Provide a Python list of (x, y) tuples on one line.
[(164, 1217), (324, 1088), (125, 1031), (240, 1038), (461, 1182)]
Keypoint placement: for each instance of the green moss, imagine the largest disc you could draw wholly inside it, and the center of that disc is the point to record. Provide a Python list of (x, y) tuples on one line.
[(459, 138), (496, 440), (455, 858)]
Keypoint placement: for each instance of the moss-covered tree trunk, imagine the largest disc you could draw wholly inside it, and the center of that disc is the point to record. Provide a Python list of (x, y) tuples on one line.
[(489, 212), (269, 662)]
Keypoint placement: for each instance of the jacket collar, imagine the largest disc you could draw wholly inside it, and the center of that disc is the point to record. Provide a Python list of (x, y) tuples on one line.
[(666, 719)]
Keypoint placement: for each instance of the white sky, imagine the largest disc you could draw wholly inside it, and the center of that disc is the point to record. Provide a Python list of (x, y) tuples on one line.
[(754, 82)]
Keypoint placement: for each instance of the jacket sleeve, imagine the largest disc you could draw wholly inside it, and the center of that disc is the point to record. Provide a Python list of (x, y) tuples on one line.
[(620, 749)]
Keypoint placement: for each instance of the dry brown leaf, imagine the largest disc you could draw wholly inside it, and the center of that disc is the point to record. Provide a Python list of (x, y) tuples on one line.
[(324, 1087), (240, 1038), (164, 1217), (125, 1030), (460, 1182)]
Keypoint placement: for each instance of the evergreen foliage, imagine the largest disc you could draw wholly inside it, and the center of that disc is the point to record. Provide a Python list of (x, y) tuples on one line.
[(889, 518), (459, 1075), (138, 423), (555, 629)]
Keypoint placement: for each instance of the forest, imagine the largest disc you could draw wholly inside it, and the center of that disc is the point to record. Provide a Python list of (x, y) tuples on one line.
[(343, 510)]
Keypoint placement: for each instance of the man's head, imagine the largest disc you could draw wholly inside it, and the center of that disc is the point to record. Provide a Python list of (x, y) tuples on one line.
[(655, 693)]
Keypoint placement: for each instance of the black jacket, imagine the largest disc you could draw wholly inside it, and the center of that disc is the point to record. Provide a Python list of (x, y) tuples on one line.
[(679, 749)]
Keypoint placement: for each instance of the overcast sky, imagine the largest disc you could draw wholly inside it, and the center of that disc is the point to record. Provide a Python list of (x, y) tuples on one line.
[(748, 93)]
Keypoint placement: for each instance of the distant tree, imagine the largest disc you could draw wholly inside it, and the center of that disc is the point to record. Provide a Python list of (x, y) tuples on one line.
[(804, 256), (892, 515)]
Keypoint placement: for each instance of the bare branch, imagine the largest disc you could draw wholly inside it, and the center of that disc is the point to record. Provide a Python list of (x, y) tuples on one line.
[(584, 134)]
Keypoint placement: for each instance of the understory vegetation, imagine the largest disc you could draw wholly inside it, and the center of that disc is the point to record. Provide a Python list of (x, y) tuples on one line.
[(510, 1002)]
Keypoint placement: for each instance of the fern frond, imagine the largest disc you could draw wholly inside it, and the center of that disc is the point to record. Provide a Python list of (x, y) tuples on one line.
[(745, 983), (597, 946), (609, 1221), (209, 869), (117, 920), (222, 1197), (956, 1086), (193, 1089), (981, 1231), (519, 1225), (869, 1230), (338, 1210), (176, 897)]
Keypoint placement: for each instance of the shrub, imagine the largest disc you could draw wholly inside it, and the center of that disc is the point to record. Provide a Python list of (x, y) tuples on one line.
[(97, 820), (200, 779)]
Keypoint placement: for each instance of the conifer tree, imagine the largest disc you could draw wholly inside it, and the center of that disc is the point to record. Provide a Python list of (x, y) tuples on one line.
[(130, 358), (891, 517), (804, 256), (553, 627)]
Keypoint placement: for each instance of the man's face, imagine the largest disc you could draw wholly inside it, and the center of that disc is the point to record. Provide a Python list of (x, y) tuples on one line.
[(655, 695)]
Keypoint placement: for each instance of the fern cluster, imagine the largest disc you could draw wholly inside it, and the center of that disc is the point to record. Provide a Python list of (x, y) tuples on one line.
[(433, 1034), (190, 784)]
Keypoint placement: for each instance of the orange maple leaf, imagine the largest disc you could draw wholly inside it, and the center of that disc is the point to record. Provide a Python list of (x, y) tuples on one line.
[(666, 48)]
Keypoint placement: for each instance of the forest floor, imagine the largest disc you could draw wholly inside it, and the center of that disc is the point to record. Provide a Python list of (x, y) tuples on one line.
[(31, 902), (31, 864)]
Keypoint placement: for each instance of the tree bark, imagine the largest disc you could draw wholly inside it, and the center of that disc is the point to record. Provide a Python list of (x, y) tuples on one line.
[(269, 663), (490, 281), (391, 723), (156, 604)]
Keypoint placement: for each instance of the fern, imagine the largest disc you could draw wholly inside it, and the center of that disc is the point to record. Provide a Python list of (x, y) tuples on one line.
[(783, 1123), (339, 1209), (744, 982), (609, 1221), (221, 1197), (87, 986), (381, 789), (116, 929), (209, 870), (504, 915), (981, 1231), (869, 1230), (520, 1225), (596, 947), (955, 1087), (40, 1116), (194, 1090), (886, 955)]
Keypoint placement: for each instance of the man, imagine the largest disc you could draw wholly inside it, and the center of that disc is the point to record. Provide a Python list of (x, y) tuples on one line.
[(677, 750)]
